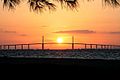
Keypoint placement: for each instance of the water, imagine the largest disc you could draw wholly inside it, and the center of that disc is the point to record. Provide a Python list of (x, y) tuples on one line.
[(113, 54)]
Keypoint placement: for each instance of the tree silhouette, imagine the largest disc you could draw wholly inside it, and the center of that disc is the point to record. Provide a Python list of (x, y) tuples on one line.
[(40, 5)]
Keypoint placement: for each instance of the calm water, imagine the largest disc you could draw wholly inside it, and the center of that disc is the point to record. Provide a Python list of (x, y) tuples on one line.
[(80, 54)]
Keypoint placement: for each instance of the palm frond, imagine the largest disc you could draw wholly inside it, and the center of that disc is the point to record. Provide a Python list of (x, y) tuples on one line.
[(36, 5), (50, 5), (113, 3), (72, 4), (11, 4), (40, 5)]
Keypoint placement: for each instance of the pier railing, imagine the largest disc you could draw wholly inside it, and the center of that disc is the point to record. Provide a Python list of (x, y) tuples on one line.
[(73, 44)]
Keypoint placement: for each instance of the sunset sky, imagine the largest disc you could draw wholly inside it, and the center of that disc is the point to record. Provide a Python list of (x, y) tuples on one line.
[(91, 23)]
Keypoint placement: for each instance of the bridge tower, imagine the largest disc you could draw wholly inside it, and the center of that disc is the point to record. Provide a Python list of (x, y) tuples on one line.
[(42, 42), (72, 42)]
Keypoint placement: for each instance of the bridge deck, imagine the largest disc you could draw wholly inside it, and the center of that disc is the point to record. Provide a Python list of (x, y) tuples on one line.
[(73, 44), (86, 46)]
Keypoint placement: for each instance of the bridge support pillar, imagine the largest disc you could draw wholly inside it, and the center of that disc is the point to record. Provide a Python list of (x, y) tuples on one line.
[(108, 47), (21, 46), (15, 47), (42, 42), (104, 46), (96, 46), (91, 46), (101, 46), (4, 47), (8, 47), (72, 45), (72, 42), (28, 46), (0, 47), (85, 46)]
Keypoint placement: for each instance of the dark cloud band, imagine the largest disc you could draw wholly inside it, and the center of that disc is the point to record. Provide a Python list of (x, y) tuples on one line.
[(77, 31), (85, 32)]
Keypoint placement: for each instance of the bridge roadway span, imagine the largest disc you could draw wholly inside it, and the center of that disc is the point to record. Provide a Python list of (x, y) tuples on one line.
[(86, 46)]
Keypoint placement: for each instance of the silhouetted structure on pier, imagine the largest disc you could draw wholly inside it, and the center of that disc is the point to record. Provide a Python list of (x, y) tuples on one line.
[(86, 46)]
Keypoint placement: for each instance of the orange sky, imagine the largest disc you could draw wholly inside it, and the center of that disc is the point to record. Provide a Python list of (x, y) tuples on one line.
[(23, 26)]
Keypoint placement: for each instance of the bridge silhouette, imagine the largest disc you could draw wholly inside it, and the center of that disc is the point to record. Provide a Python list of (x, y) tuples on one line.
[(42, 44)]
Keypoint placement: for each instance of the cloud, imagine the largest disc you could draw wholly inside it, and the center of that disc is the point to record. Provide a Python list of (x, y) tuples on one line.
[(23, 35), (43, 26), (11, 32), (117, 32), (7, 31), (86, 32), (77, 31)]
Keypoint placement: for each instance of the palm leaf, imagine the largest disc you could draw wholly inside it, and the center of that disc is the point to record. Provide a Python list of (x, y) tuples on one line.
[(40, 5), (113, 3), (11, 4)]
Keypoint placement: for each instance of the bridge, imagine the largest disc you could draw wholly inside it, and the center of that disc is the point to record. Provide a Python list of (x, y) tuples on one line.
[(42, 44)]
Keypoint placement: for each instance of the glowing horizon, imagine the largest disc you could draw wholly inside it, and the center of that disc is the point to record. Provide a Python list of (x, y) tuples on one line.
[(91, 24)]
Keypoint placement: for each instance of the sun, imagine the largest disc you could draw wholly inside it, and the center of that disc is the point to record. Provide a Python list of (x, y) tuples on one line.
[(59, 40)]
